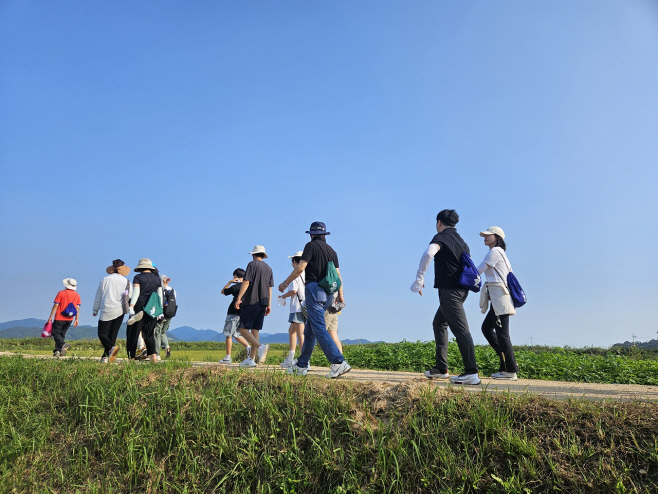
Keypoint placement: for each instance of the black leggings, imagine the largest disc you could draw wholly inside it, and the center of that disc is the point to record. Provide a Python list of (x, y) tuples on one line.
[(496, 330), (147, 326)]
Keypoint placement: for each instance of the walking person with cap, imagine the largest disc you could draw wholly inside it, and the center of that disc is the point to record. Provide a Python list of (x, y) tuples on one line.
[(446, 249), (314, 263), (169, 308), (145, 283), (295, 292), (495, 328), (111, 302), (66, 310), (254, 302)]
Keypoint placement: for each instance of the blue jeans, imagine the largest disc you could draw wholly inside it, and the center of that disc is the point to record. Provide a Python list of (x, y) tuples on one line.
[(316, 303)]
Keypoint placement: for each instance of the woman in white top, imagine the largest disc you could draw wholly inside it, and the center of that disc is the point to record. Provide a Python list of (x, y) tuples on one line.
[(296, 294), (495, 327)]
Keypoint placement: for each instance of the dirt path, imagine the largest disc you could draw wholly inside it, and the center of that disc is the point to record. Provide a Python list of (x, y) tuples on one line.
[(549, 389)]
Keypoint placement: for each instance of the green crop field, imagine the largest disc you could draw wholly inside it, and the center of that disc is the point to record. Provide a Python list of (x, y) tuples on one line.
[(623, 366), (76, 426)]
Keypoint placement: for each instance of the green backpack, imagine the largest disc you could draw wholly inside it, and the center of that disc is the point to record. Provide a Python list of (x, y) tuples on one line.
[(331, 282), (153, 307)]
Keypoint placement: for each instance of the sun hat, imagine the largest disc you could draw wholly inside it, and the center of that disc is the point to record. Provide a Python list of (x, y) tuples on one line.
[(118, 266), (296, 254), (165, 278), (259, 249), (70, 284), (318, 228), (493, 230), (143, 264)]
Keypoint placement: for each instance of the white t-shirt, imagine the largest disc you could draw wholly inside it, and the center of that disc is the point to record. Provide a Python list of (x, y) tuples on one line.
[(297, 285), (497, 258), (109, 295)]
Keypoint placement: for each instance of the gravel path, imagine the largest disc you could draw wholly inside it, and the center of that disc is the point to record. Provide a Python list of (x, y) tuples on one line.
[(549, 389)]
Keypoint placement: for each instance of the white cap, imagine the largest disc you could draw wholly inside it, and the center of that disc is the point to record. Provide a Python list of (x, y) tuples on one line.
[(493, 230), (296, 254)]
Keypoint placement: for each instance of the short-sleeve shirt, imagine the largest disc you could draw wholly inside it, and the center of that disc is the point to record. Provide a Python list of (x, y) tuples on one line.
[(297, 299), (234, 290), (148, 283), (494, 265), (260, 278), (64, 298), (317, 253), (447, 262)]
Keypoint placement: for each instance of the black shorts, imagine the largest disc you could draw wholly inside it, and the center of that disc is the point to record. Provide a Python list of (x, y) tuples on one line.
[(252, 316)]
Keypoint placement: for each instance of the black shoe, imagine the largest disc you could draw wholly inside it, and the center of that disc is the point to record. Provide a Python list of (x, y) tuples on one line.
[(64, 349), (168, 353)]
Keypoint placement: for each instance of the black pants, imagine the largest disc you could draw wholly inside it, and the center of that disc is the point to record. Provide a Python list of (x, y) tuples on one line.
[(451, 314), (496, 330), (59, 333), (147, 326), (107, 333)]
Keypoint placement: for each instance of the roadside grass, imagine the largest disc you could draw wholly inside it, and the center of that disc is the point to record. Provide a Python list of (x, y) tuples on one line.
[(75, 426), (595, 365)]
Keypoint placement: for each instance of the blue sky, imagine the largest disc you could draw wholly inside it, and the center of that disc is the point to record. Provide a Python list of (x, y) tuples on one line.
[(188, 132)]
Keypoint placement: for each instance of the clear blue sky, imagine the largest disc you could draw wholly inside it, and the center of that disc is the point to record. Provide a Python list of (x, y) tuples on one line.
[(188, 132)]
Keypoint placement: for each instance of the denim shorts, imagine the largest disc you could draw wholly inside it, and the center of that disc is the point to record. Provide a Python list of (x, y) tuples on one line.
[(232, 326), (252, 316), (297, 317)]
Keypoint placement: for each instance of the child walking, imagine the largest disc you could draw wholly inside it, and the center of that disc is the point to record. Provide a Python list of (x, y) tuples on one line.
[(232, 323), (295, 293)]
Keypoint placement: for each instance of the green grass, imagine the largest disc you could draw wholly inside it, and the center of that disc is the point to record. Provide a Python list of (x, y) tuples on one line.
[(75, 426), (623, 366)]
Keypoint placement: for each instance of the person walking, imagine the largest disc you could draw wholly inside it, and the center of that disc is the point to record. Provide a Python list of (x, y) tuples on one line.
[(169, 308), (495, 328), (446, 249), (254, 302), (314, 263), (66, 310), (295, 292), (145, 283), (112, 296), (232, 322)]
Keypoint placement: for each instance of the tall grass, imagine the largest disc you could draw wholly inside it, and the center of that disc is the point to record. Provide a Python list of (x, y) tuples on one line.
[(75, 426)]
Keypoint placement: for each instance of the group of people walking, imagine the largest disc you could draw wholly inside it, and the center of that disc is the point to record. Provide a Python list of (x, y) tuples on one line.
[(315, 291)]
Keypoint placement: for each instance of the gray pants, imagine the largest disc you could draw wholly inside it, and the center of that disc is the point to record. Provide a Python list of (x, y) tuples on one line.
[(451, 313), (161, 340)]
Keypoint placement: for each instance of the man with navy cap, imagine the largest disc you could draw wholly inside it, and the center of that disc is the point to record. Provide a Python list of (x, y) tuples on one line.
[(315, 258)]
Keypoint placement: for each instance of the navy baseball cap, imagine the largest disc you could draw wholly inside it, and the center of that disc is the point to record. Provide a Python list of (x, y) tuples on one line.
[(318, 228)]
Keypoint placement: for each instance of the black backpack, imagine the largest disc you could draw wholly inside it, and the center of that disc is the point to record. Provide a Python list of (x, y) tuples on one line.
[(170, 307)]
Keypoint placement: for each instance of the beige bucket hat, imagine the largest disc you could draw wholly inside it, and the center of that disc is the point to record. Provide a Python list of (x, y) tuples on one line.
[(70, 284), (259, 249), (143, 264), (493, 230)]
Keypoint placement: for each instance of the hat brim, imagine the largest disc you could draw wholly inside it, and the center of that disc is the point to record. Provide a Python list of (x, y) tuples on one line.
[(484, 234), (122, 270), (318, 233), (265, 254)]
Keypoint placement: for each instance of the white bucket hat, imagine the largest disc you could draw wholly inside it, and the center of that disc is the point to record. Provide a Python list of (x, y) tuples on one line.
[(259, 249), (143, 264), (70, 284), (493, 230), (296, 254)]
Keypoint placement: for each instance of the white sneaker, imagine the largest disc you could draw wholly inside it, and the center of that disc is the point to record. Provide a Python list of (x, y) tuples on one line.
[(433, 374), (288, 362), (339, 369), (508, 376), (226, 360), (104, 360), (248, 362), (465, 379), (297, 371), (262, 353)]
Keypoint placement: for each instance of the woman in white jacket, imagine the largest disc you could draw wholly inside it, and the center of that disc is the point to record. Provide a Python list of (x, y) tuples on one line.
[(495, 327)]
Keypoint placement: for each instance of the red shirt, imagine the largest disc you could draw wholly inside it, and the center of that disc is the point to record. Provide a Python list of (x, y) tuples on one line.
[(64, 298)]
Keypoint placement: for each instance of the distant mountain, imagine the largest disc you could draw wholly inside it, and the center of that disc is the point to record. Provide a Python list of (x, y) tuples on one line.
[(187, 333), (647, 345), (23, 323)]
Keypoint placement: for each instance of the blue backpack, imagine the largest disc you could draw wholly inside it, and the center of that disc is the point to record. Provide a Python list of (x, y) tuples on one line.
[(469, 278), (69, 311), (514, 288)]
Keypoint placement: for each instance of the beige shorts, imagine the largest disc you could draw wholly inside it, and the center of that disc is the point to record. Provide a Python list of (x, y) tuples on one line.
[(331, 321)]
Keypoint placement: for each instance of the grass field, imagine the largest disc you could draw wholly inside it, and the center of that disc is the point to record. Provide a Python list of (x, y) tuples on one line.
[(624, 366), (75, 426)]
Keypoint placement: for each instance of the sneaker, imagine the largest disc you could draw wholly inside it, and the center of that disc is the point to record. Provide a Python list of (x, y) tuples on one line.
[(248, 362), (137, 317), (113, 354), (435, 374), (226, 360), (262, 353), (288, 363), (509, 376), (297, 371), (339, 369), (64, 349), (169, 353), (56, 354), (465, 379), (141, 351), (104, 360)]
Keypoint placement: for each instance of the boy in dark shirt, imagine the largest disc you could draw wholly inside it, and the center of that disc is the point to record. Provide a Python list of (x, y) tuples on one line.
[(232, 323)]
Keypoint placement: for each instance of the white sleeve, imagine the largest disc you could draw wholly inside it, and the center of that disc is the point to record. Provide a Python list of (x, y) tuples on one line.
[(135, 295), (97, 300), (160, 295), (428, 255)]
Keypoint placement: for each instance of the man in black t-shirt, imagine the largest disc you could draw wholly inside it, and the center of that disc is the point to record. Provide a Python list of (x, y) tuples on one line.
[(317, 254), (446, 249), (232, 323), (254, 301)]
